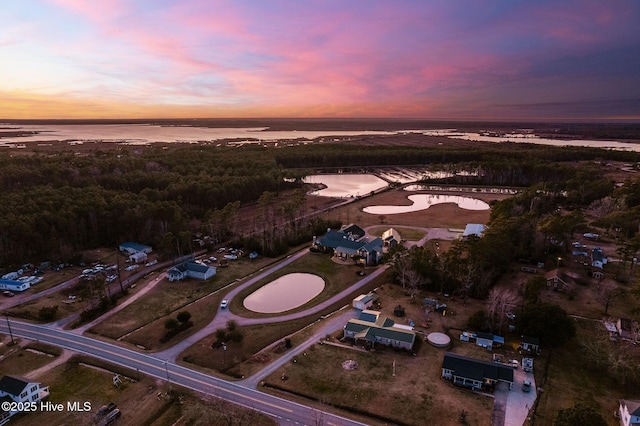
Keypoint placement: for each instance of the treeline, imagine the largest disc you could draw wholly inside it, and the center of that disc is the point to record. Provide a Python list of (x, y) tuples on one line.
[(343, 155), (537, 225), (52, 206)]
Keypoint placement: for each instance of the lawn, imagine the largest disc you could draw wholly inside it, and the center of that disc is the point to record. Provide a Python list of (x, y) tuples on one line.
[(337, 277), (249, 356), (415, 395), (20, 360), (408, 234), (166, 298)]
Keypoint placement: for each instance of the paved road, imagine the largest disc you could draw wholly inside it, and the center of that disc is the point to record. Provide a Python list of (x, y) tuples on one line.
[(286, 412)]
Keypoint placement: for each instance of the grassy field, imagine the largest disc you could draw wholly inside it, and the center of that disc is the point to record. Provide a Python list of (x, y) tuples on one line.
[(166, 298), (337, 277), (249, 356), (415, 395), (20, 360)]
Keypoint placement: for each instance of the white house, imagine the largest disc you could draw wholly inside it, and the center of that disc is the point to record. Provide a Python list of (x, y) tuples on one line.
[(19, 389), (14, 285), (629, 411), (191, 269)]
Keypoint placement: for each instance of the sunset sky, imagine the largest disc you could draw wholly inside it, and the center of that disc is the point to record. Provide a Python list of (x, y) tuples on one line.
[(470, 59)]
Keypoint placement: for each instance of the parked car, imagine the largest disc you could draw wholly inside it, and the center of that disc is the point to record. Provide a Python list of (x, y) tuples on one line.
[(526, 386), (8, 293)]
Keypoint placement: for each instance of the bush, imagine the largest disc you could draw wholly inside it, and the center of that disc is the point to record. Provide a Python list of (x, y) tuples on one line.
[(48, 313)]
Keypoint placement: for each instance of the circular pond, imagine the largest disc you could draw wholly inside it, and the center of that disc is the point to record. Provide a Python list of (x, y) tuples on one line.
[(424, 201), (285, 293)]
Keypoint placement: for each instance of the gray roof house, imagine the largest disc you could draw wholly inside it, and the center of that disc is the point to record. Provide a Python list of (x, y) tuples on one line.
[(474, 373), (629, 411), (192, 270), (372, 327), (131, 247), (349, 242), (19, 389)]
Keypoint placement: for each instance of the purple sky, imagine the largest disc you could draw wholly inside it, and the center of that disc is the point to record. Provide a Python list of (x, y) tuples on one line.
[(573, 59)]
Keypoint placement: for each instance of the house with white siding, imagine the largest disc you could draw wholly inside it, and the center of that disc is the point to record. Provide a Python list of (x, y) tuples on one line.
[(475, 373), (191, 269), (19, 389)]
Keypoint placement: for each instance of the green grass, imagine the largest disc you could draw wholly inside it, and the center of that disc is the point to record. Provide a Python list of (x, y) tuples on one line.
[(408, 234), (336, 277), (22, 360)]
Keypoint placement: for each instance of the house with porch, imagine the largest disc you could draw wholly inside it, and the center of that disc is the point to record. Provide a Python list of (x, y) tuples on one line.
[(371, 328), (474, 373), (19, 389), (191, 269), (559, 281), (629, 411), (350, 243)]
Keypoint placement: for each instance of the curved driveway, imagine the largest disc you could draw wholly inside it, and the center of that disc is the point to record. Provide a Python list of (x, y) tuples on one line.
[(225, 315)]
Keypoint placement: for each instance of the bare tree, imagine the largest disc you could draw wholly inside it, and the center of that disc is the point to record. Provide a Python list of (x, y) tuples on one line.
[(607, 292), (499, 303)]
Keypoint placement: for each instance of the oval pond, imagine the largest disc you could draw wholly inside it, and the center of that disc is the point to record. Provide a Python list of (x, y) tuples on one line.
[(285, 293)]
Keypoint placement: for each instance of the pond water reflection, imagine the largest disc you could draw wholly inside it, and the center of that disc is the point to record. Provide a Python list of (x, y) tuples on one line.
[(346, 185), (285, 293), (424, 201)]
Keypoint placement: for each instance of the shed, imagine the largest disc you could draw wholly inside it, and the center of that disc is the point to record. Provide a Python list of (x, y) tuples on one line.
[(365, 301), (138, 257)]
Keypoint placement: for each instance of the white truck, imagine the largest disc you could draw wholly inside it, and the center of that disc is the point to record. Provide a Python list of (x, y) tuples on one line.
[(527, 364)]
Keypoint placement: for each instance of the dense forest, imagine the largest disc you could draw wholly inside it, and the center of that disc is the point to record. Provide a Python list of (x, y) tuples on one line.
[(52, 206)]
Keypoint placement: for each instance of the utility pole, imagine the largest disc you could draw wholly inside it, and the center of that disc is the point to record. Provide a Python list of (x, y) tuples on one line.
[(118, 265), (166, 370), (10, 332), (224, 351)]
